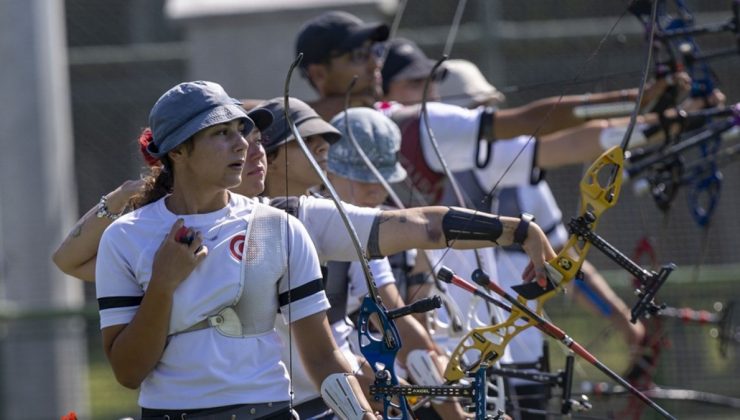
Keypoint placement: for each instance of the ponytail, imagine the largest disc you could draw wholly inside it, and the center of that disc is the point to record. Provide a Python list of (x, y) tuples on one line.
[(158, 183)]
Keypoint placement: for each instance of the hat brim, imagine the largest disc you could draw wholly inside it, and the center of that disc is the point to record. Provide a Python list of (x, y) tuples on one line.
[(393, 174), (313, 126), (316, 126), (420, 69), (210, 117), (262, 118), (377, 32)]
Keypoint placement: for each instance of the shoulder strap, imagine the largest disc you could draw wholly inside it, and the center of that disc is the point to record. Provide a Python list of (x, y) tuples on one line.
[(336, 285)]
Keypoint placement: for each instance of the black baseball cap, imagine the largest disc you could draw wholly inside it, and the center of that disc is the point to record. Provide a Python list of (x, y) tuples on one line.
[(307, 122), (406, 61), (335, 32)]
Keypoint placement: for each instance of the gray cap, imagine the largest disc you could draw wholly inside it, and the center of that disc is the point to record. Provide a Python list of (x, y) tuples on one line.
[(308, 122), (380, 139), (192, 106)]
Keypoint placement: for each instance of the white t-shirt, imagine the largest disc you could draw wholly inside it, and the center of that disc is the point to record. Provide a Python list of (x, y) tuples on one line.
[(204, 368), (456, 131), (537, 200), (324, 224)]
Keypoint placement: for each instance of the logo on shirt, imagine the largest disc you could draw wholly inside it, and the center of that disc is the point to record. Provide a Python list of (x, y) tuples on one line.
[(236, 246)]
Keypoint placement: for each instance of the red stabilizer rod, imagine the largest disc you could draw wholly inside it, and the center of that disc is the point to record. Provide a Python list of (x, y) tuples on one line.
[(448, 276)]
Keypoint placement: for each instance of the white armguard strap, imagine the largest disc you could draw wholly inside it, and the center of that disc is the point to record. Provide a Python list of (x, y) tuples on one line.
[(612, 136), (338, 394)]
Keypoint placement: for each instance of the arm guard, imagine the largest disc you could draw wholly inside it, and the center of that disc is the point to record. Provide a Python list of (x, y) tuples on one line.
[(340, 397), (463, 224)]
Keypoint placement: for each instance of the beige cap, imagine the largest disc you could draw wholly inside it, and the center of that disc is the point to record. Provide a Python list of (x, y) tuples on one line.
[(466, 86)]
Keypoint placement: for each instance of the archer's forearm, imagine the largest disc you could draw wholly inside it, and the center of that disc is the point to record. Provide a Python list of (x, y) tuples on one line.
[(134, 349), (76, 255), (320, 355), (426, 228)]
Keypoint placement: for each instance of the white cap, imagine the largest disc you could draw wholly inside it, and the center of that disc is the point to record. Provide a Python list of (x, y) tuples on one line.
[(466, 86)]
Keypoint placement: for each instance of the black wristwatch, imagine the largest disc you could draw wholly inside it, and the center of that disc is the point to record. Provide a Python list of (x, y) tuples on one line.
[(520, 233)]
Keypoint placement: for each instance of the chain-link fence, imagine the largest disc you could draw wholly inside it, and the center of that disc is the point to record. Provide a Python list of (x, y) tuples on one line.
[(124, 53)]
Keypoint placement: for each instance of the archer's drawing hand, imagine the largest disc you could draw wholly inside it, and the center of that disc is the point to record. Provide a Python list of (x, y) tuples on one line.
[(118, 199), (653, 92)]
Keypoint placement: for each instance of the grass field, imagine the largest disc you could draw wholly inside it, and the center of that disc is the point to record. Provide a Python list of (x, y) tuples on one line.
[(108, 399)]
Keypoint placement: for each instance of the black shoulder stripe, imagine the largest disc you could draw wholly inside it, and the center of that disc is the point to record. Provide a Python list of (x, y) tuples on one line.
[(301, 292), (118, 302)]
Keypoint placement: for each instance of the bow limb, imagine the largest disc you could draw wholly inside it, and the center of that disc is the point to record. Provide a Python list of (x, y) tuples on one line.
[(400, 10), (600, 189), (446, 169), (500, 402), (425, 115), (377, 351), (526, 315), (595, 199)]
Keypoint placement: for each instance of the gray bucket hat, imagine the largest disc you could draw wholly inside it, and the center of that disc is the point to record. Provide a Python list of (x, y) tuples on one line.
[(380, 139), (192, 106), (308, 122)]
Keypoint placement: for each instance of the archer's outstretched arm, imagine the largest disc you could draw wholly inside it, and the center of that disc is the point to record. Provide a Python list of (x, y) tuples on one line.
[(437, 227), (555, 113)]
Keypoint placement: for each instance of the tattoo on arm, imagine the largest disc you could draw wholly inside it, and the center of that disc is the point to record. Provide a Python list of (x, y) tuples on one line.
[(384, 218), (76, 231)]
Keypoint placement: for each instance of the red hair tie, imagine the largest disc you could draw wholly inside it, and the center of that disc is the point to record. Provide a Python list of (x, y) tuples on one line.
[(144, 139)]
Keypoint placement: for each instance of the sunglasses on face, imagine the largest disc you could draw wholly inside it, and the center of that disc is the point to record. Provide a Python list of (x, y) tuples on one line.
[(362, 54)]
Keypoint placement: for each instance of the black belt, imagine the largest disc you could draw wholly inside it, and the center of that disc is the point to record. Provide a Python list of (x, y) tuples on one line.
[(262, 411)]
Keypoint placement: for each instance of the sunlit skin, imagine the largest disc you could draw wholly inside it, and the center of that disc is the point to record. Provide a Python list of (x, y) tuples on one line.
[(290, 173), (333, 78), (255, 167), (214, 162), (363, 194), (410, 92)]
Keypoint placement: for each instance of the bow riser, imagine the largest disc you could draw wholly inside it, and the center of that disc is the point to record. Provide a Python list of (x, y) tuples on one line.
[(488, 343), (600, 188)]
